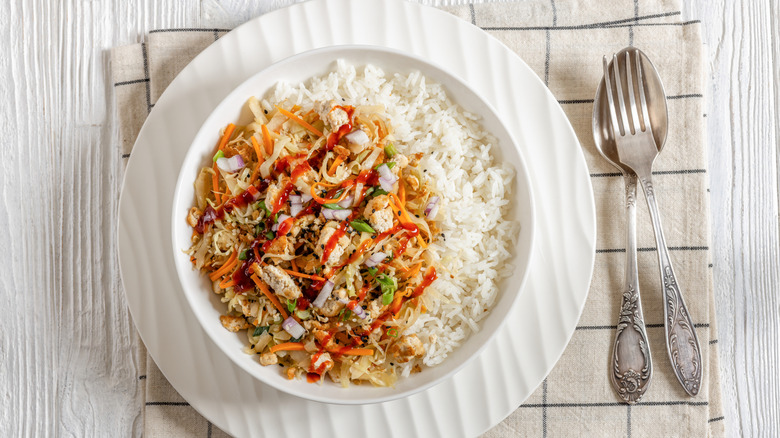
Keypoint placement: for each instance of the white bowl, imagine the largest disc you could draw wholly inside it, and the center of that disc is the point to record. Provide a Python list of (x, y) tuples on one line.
[(207, 306)]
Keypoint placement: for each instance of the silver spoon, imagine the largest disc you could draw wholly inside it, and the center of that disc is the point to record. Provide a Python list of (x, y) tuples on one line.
[(631, 367)]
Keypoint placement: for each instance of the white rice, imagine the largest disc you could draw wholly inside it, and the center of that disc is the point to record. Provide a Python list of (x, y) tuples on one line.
[(472, 252)]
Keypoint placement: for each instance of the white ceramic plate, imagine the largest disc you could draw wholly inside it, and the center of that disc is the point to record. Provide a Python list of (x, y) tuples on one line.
[(299, 68), (540, 325)]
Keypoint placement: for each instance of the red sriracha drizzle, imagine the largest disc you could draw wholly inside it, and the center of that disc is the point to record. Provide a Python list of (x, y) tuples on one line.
[(282, 198), (242, 200), (343, 130), (334, 239)]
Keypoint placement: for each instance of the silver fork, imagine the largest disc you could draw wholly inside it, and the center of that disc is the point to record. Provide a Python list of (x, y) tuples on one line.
[(637, 149)]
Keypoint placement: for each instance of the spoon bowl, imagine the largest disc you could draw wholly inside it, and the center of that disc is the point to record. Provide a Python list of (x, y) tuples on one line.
[(656, 107)]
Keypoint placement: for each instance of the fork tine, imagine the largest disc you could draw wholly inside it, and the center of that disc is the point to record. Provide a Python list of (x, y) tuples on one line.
[(642, 101), (636, 127), (621, 101), (610, 100)]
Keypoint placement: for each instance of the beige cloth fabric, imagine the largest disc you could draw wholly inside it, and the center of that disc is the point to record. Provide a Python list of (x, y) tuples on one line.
[(563, 41)]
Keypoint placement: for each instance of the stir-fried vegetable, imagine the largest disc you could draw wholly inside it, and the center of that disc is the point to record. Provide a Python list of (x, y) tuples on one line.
[(314, 232)]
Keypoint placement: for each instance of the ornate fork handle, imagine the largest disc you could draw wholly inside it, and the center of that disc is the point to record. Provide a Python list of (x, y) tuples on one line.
[(682, 343), (631, 362)]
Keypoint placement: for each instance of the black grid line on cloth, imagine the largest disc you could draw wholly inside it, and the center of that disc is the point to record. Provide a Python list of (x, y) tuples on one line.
[(636, 20), (146, 77), (655, 172), (548, 44), (712, 420), (142, 377), (653, 248), (125, 155), (714, 341), (672, 97), (615, 404), (682, 24), (473, 14), (596, 25), (189, 29), (628, 421), (167, 404), (544, 408), (612, 327), (136, 81), (209, 430)]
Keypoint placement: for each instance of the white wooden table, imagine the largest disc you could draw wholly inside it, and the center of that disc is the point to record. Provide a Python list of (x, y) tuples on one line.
[(67, 342)]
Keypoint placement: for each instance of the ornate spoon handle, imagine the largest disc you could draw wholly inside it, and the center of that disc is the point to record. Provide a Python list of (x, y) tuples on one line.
[(631, 362), (681, 341)]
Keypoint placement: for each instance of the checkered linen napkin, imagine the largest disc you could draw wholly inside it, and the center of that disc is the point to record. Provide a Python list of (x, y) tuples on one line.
[(563, 41)]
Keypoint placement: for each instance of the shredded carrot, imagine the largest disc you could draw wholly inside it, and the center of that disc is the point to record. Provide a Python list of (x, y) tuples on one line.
[(226, 136), (263, 288), (287, 346), (402, 191), (302, 275), (404, 216), (269, 143), (300, 121), (260, 160), (412, 272), (352, 351), (339, 159), (231, 262), (294, 265), (322, 200), (227, 282)]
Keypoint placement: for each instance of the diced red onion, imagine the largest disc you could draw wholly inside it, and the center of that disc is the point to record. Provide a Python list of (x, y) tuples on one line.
[(231, 164), (375, 259), (346, 202), (432, 208), (296, 206), (324, 294), (339, 215), (291, 326), (282, 217), (387, 185), (384, 171), (358, 310), (358, 137)]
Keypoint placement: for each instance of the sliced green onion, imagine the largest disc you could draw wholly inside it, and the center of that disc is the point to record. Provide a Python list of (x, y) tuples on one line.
[(244, 254), (390, 165), (303, 314), (362, 227), (347, 315), (388, 285), (291, 305), (269, 235), (262, 205), (260, 330), (218, 155), (333, 207), (372, 271), (392, 332), (295, 339), (379, 191), (258, 228), (390, 150)]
